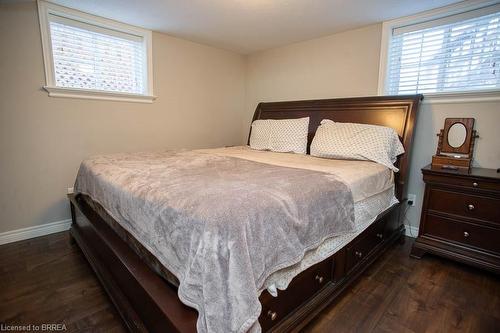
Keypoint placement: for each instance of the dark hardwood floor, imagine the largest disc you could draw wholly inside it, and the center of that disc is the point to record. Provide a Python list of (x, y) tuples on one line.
[(47, 280)]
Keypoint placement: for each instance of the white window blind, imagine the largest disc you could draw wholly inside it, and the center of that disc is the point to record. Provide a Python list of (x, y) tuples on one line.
[(90, 57), (453, 54)]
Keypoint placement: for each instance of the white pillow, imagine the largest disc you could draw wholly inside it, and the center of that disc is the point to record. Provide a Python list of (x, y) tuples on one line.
[(357, 142), (283, 135)]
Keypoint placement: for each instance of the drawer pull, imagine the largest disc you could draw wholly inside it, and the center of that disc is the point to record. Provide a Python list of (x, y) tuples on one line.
[(471, 207), (271, 314), (475, 184), (380, 236), (466, 234), (358, 254), (319, 279)]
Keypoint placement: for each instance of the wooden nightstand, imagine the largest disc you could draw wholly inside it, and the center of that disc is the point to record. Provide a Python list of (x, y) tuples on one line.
[(461, 216)]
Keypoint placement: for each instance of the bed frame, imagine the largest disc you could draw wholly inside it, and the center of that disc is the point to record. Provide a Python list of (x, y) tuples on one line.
[(147, 303)]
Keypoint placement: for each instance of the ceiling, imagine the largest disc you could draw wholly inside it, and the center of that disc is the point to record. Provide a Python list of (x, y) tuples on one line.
[(246, 26)]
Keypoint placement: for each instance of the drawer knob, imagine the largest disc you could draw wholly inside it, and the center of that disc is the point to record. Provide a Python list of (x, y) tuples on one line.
[(475, 184), (271, 314), (380, 236), (319, 279), (471, 207), (466, 234), (358, 254)]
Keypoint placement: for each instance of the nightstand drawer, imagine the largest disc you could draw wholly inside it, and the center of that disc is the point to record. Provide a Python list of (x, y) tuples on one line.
[(471, 183), (465, 205), (468, 234)]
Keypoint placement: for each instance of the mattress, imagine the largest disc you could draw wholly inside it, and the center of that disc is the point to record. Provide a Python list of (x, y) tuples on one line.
[(371, 184)]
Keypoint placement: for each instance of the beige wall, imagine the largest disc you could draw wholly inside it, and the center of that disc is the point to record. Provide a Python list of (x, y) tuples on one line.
[(346, 64), (43, 139), (206, 98), (338, 65)]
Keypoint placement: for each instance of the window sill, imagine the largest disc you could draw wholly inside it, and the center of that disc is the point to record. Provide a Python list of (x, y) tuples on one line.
[(98, 95), (462, 97)]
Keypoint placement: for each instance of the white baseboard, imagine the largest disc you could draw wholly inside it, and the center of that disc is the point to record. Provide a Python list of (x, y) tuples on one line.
[(411, 231), (32, 232)]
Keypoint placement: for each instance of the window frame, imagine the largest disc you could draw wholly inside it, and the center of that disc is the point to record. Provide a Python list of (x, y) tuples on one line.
[(438, 97), (45, 9)]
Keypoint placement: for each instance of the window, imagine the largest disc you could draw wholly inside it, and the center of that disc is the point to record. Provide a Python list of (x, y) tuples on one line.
[(87, 56), (445, 55)]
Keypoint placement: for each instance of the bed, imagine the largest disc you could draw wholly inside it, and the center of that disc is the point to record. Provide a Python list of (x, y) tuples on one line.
[(142, 285)]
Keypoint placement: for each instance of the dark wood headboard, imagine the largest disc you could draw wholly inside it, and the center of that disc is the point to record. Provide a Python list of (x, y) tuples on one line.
[(398, 112)]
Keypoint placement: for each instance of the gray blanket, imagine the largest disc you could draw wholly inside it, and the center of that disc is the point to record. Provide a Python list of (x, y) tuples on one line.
[(222, 225)]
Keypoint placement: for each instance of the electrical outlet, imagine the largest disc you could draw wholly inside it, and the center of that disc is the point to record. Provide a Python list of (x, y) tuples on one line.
[(70, 190), (411, 199)]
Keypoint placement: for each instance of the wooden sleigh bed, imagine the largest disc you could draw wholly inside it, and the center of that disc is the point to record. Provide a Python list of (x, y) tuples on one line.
[(147, 303)]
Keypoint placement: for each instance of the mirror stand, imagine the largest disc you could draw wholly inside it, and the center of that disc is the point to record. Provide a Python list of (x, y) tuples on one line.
[(455, 145)]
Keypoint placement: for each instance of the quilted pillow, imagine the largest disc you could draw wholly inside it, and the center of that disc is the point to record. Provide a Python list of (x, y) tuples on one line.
[(357, 142), (283, 135)]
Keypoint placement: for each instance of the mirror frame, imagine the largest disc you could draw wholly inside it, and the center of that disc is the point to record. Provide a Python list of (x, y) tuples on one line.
[(465, 148)]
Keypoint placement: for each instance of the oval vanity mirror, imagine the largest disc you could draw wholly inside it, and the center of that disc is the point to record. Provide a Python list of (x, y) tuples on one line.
[(456, 144), (457, 135)]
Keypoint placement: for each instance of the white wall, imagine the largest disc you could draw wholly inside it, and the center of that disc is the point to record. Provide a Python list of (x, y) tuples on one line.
[(43, 139), (346, 64)]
